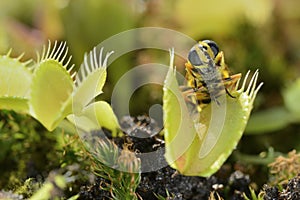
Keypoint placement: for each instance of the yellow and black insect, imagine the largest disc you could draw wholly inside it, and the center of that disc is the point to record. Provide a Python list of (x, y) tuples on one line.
[(207, 75)]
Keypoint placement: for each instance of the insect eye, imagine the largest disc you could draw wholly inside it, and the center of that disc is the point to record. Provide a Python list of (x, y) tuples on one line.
[(194, 58), (214, 47)]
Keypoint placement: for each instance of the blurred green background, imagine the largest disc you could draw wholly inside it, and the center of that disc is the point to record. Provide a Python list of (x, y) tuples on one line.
[(254, 34)]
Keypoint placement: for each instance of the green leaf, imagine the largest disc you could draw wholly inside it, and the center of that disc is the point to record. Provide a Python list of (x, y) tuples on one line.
[(279, 117), (15, 83), (291, 96), (51, 89), (200, 147), (269, 120)]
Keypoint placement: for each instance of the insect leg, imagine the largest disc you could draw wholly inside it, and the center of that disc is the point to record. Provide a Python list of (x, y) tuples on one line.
[(230, 83)]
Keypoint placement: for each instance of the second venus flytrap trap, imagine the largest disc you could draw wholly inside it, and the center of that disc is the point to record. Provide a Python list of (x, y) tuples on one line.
[(199, 142)]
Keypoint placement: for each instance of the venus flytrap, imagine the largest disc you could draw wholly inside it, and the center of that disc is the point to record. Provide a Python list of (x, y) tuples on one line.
[(91, 77), (190, 147), (48, 92), (52, 86)]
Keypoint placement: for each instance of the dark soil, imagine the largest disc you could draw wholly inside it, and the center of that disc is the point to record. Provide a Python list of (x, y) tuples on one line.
[(291, 191), (94, 191), (191, 187), (141, 133)]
